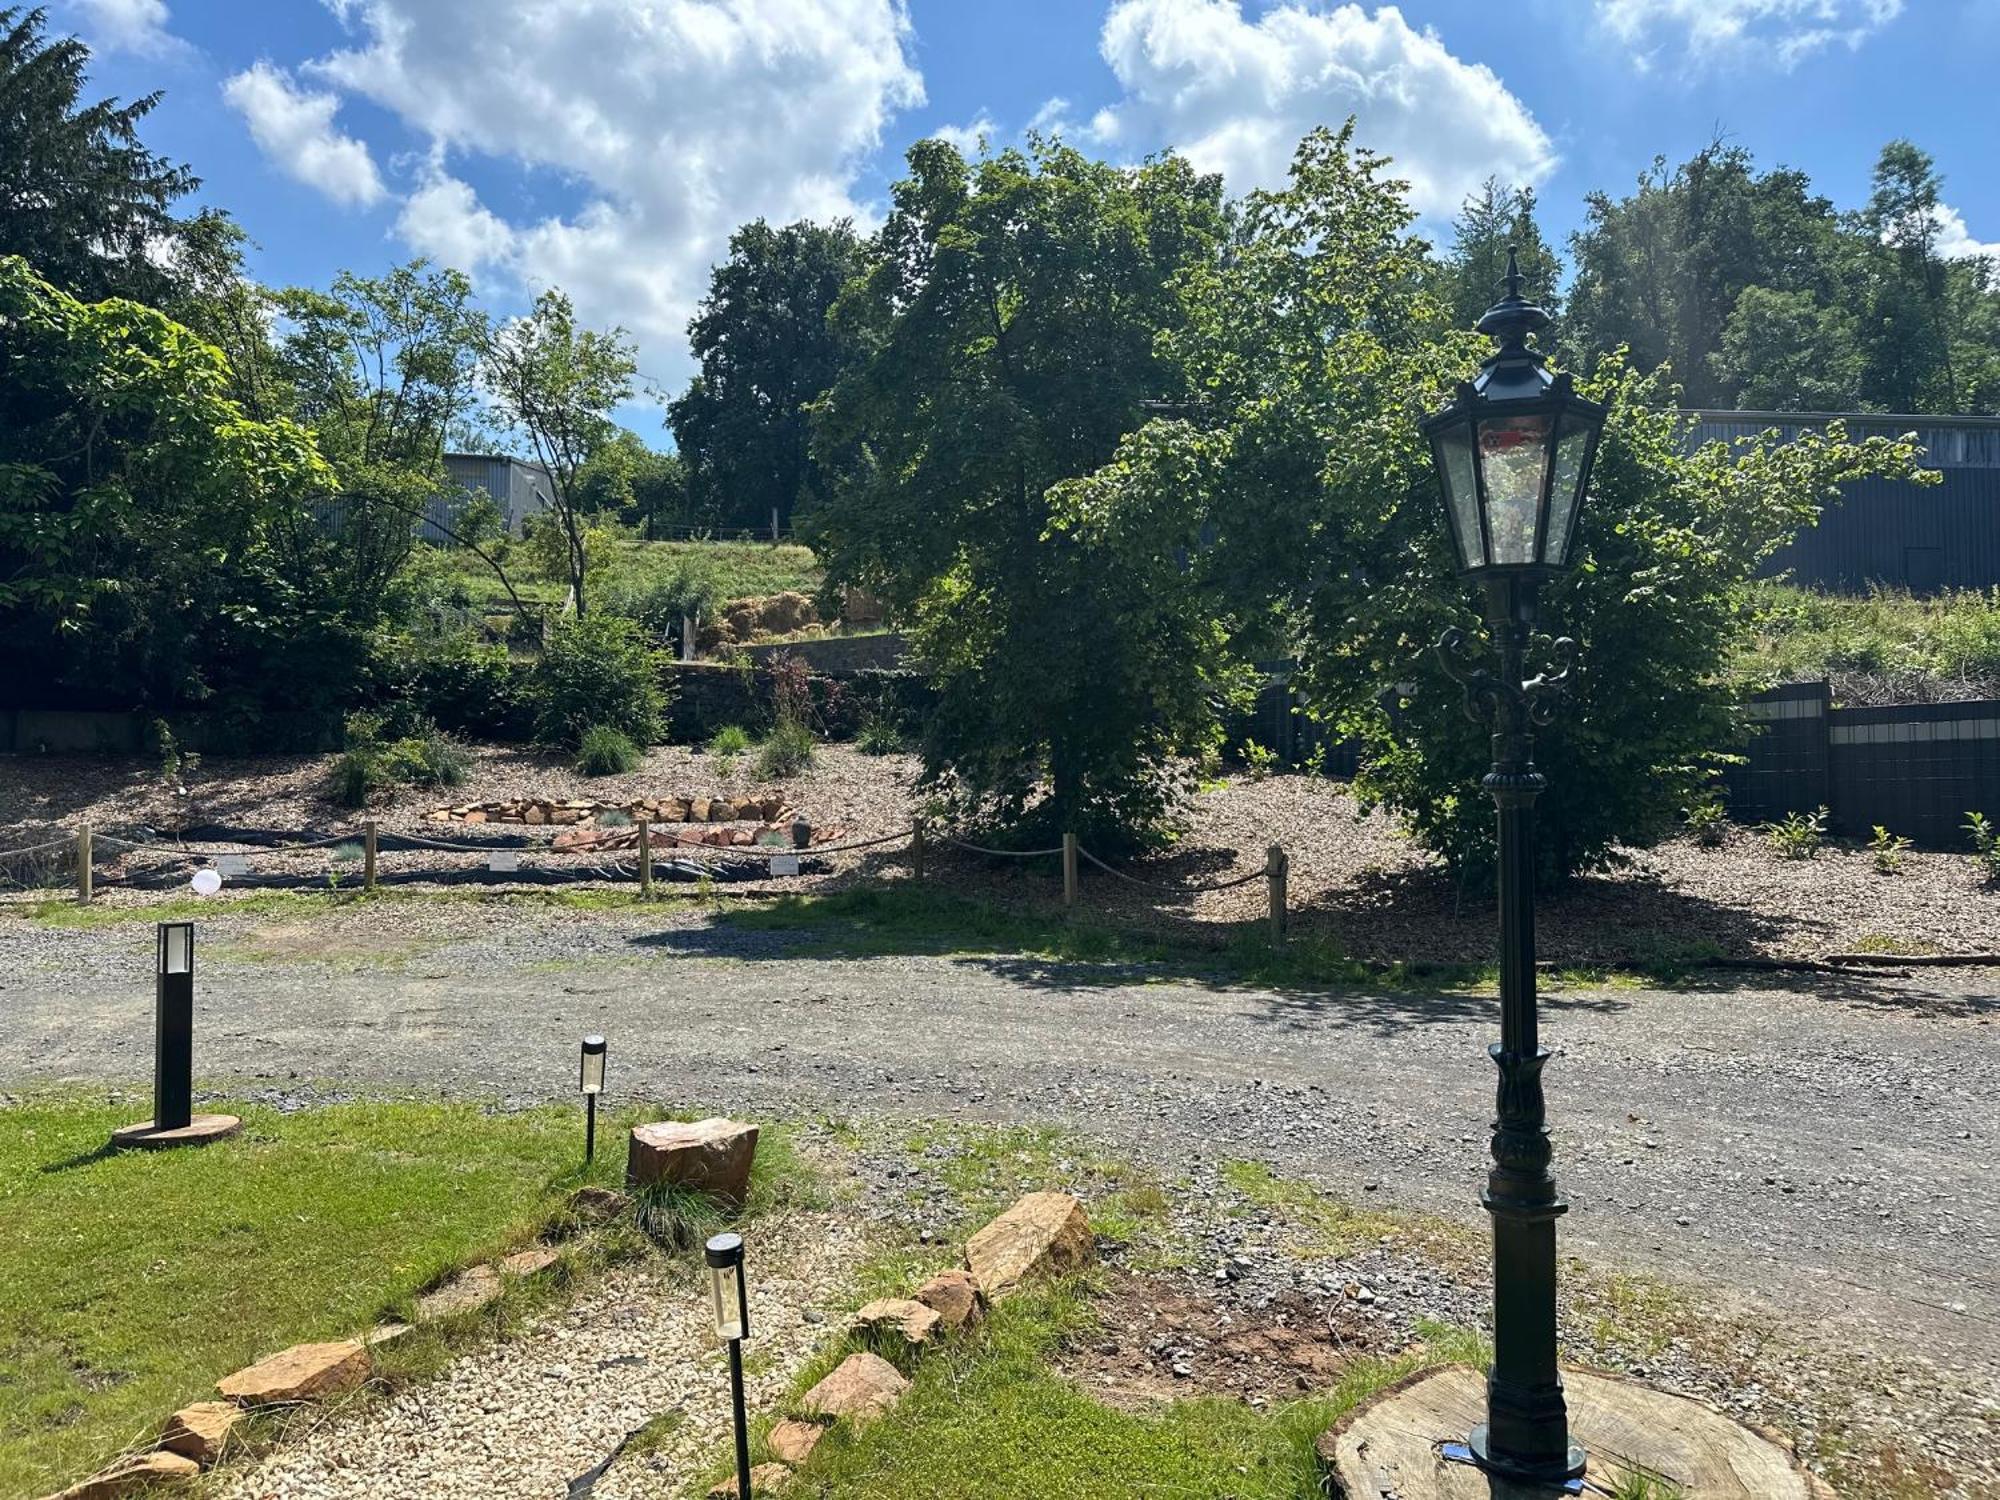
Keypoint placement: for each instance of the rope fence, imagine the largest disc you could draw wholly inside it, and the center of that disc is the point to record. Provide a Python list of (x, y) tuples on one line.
[(72, 862)]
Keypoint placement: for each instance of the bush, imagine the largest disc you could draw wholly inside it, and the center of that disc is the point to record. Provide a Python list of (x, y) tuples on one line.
[(1888, 851), (657, 595), (598, 670), (449, 678), (1707, 820), (605, 751), (786, 751), (1985, 844), (429, 757), (879, 735), (371, 766), (1798, 835), (730, 741)]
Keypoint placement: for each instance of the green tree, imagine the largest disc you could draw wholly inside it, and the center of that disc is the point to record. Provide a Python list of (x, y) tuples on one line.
[(1783, 351), (633, 484), (1006, 331), (554, 385), (1661, 271), (81, 198), (1489, 223), (766, 353), (155, 543)]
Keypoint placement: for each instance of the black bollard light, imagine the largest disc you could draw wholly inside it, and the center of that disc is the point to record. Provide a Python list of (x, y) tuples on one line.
[(1513, 454), (173, 1027), (174, 1121), (590, 1079), (724, 1254)]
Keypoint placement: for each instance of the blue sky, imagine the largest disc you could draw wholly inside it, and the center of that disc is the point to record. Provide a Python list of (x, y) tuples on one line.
[(610, 145)]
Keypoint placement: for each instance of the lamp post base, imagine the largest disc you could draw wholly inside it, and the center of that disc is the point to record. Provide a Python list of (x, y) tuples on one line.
[(1571, 1465), (1402, 1439), (199, 1130)]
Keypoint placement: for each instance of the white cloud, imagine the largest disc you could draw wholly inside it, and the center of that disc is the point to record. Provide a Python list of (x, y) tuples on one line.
[(295, 130), (1955, 241), (1053, 117), (969, 138), (669, 122), (1236, 95), (1780, 31), (129, 26)]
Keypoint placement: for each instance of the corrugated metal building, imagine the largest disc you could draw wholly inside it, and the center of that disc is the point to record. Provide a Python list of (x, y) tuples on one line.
[(1886, 532), (520, 489)]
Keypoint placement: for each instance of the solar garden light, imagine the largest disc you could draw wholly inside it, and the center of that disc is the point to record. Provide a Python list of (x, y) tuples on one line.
[(174, 1122), (590, 1079), (724, 1254), (1513, 453)]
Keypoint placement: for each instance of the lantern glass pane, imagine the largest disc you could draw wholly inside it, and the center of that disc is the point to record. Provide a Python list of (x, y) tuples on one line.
[(179, 954), (1567, 493), (724, 1285), (1454, 446), (1513, 459), (592, 1080)]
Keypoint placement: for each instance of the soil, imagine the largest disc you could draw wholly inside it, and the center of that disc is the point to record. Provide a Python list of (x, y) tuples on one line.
[(1356, 881)]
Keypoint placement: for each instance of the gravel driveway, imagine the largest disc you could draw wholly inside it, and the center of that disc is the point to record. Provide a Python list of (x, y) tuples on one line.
[(1823, 1151)]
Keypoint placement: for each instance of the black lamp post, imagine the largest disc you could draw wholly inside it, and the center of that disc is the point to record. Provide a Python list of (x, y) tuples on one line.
[(173, 1027), (1513, 454), (724, 1254), (590, 1079)]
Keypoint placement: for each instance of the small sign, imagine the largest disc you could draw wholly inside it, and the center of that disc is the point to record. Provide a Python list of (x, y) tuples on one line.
[(784, 864), (232, 864), (504, 861)]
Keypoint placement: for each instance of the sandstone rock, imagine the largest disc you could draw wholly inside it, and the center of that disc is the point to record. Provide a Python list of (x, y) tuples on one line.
[(200, 1431), (476, 815), (718, 811), (529, 1262), (861, 1388), (697, 810), (304, 1372), (741, 808), (598, 1205), (1043, 1234), (534, 817), (466, 1292), (955, 1297), (565, 815), (129, 1476), (897, 1318), (793, 1440), (711, 1156), (764, 1478)]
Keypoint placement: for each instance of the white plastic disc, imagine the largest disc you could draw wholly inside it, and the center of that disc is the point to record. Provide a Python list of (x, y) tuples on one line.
[(206, 882)]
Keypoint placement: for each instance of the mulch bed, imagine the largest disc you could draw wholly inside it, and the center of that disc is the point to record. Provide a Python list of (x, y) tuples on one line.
[(1355, 880)]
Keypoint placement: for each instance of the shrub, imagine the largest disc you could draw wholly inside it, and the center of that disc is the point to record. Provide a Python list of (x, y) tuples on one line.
[(429, 757), (730, 741), (370, 765), (658, 595), (787, 750), (363, 771), (1707, 820), (1985, 844), (598, 670), (605, 751), (1259, 760), (449, 678), (879, 735), (1798, 835), (1888, 851)]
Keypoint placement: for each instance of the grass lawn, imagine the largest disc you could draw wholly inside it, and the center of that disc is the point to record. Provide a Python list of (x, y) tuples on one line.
[(133, 1280), (741, 570), (1947, 638)]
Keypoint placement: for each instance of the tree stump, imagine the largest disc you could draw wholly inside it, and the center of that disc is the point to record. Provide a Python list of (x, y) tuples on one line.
[(1390, 1445)]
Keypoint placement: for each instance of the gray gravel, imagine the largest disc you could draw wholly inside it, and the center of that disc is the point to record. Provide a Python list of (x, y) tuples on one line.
[(1822, 1153)]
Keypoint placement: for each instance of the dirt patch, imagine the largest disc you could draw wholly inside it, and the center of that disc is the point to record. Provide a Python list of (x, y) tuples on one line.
[(1164, 1339)]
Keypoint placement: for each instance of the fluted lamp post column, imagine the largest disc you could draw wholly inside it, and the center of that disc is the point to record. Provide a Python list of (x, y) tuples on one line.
[(1513, 454)]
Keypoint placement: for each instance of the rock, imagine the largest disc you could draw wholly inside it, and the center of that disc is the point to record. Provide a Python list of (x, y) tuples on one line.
[(200, 1431), (466, 1292), (384, 1333), (303, 1372), (1043, 1234), (718, 812), (861, 1388), (802, 834), (529, 1262), (131, 1475), (897, 1318), (764, 1478), (476, 815), (793, 1440), (711, 1156), (697, 810), (955, 1297), (598, 1205), (771, 809), (675, 809), (741, 809), (534, 817)]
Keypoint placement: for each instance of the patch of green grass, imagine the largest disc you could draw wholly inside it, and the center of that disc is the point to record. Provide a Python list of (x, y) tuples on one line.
[(1337, 1228), (986, 1419), (1644, 1484), (1889, 635), (1883, 942), (135, 1279)]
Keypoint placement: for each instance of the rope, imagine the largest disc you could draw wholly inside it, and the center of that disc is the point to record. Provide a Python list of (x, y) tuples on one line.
[(945, 838), (69, 843), (1177, 890), (887, 838), (423, 843)]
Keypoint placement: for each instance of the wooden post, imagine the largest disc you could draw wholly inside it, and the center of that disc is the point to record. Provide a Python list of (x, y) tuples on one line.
[(1276, 866), (917, 852), (368, 855), (83, 870), (1069, 869), (774, 525), (645, 856)]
